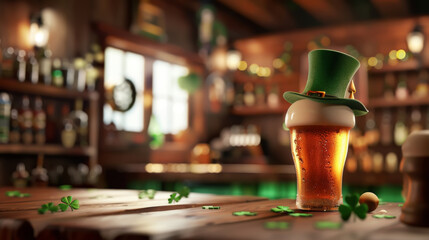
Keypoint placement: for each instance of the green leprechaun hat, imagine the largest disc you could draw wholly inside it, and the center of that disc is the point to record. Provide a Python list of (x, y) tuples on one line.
[(329, 76)]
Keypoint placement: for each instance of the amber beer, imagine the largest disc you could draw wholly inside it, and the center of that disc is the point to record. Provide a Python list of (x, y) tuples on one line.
[(319, 153), (319, 143)]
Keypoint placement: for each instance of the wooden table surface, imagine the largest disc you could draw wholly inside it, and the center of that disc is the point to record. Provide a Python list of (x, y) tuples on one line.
[(120, 214)]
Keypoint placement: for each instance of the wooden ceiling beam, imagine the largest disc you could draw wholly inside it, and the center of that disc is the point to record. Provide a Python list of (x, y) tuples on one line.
[(238, 27), (269, 14), (391, 8), (327, 11)]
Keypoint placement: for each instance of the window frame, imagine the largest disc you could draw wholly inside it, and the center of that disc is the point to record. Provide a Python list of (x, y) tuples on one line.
[(152, 51)]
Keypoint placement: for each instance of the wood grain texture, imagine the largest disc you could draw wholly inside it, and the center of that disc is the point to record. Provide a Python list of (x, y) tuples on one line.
[(96, 202), (303, 228), (120, 215)]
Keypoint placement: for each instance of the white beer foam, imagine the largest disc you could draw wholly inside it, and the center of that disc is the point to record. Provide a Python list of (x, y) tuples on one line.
[(416, 145), (306, 112)]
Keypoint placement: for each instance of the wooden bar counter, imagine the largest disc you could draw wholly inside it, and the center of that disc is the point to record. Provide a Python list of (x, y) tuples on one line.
[(120, 214)]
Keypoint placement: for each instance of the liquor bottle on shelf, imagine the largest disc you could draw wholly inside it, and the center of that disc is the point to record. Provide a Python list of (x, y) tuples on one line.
[(68, 72), (51, 132), (15, 131), (377, 162), (416, 117), (32, 68), (367, 162), (8, 60), (389, 86), (5, 106), (391, 162), (386, 127), (20, 66), (401, 130), (68, 134), (80, 76), (260, 95), (273, 97), (26, 121), (402, 89), (20, 176), (80, 121), (92, 75), (57, 74), (249, 95), (39, 123), (68, 131), (239, 96), (422, 89), (39, 175), (45, 63), (372, 133), (351, 163)]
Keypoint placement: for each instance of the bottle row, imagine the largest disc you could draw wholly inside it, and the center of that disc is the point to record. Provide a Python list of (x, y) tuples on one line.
[(56, 175), (250, 94), (401, 88), (372, 162), (40, 67), (393, 127), (28, 121)]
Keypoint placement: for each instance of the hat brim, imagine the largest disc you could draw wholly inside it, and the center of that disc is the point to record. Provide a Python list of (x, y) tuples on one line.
[(358, 108)]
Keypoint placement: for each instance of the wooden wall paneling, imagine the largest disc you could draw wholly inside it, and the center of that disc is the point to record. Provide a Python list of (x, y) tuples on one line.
[(327, 11), (261, 13), (391, 8)]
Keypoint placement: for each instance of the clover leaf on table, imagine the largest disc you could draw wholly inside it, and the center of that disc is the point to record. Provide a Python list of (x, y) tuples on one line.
[(68, 202), (352, 206)]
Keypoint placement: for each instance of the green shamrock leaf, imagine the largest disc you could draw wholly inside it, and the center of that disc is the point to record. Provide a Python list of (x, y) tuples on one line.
[(328, 225), (383, 216), (244, 213), (361, 211), (150, 193), (301, 214), (184, 192), (175, 197), (68, 201), (65, 187), (345, 212), (352, 206), (17, 194), (12, 193), (352, 200), (282, 209), (277, 225), (63, 207), (47, 207)]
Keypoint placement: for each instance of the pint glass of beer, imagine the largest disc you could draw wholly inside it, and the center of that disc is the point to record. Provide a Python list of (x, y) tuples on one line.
[(319, 142)]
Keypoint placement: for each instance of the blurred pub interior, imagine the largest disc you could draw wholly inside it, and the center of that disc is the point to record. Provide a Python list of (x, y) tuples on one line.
[(156, 94)]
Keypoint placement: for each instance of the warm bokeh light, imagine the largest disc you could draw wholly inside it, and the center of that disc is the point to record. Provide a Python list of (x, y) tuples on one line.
[(278, 63), (401, 54), (233, 59), (392, 54), (372, 61), (254, 68), (242, 66), (415, 41)]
